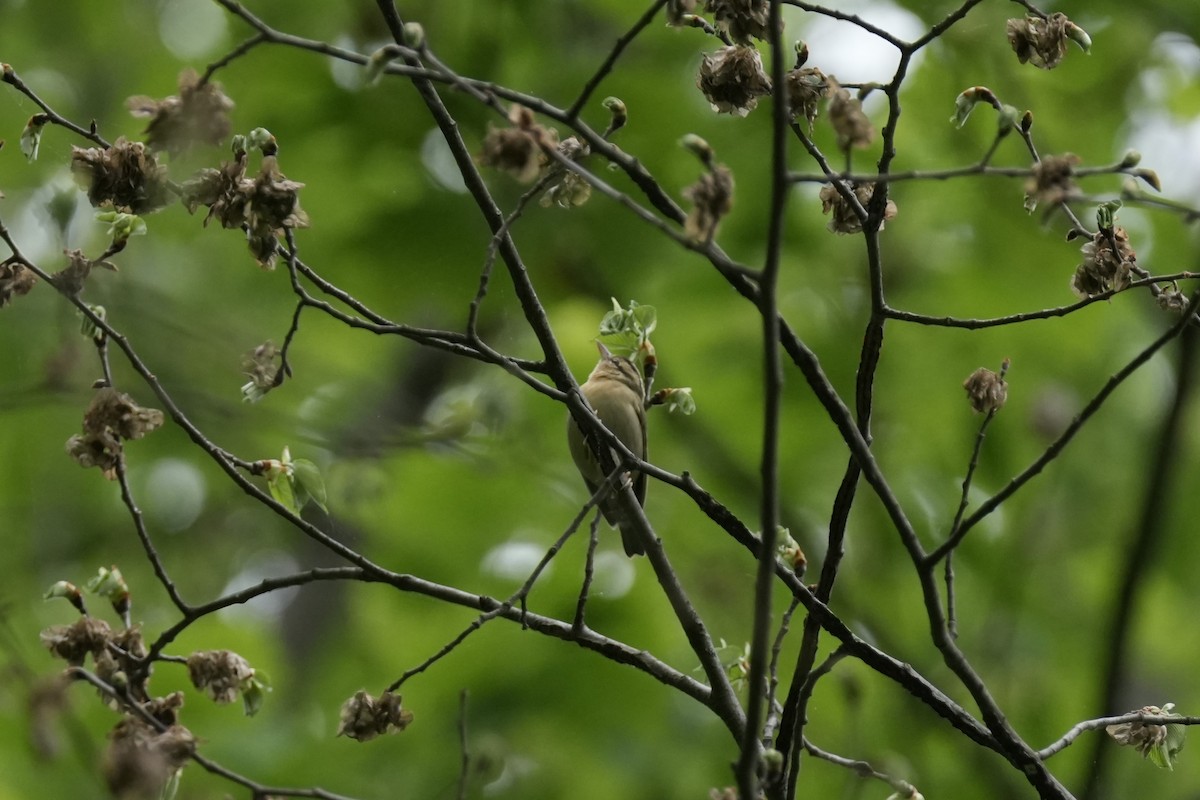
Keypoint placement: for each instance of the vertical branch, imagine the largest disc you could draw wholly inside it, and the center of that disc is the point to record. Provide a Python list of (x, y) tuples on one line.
[(747, 766), (1142, 547)]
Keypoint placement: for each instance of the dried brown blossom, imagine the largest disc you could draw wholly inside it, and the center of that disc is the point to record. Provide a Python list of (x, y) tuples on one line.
[(566, 188), (853, 127), (1172, 300), (219, 673), (518, 150), (265, 205), (111, 417), (198, 115), (126, 176), (165, 709), (70, 279), (219, 190), (805, 88), (741, 19), (1043, 42), (712, 199), (844, 219), (261, 367), (986, 390), (140, 760), (1104, 268), (272, 203), (733, 79), (16, 280), (1052, 180), (364, 717), (72, 643), (1160, 743)]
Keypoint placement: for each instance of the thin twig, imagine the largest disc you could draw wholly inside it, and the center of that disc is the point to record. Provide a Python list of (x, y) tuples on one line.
[(580, 622), (610, 61)]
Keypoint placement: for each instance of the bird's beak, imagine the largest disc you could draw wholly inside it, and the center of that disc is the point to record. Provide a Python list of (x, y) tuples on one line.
[(603, 350)]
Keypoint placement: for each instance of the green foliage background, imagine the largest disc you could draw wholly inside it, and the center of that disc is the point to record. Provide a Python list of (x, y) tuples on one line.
[(433, 464)]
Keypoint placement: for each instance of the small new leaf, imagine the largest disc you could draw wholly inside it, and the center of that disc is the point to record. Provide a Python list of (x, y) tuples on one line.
[(1106, 215), (261, 139), (254, 693), (121, 225), (280, 486), (31, 137), (681, 400), (89, 328), (965, 103), (309, 483)]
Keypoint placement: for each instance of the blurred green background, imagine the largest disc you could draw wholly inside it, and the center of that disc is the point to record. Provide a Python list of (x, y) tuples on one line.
[(459, 474)]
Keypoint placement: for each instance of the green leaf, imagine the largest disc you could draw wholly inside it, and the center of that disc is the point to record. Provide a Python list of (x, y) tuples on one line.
[(121, 225), (89, 328), (280, 486), (645, 319), (107, 582), (1106, 214), (965, 103), (261, 139), (254, 693), (1164, 754), (309, 482)]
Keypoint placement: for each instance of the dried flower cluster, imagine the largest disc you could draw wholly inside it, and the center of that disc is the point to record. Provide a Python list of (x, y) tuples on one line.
[(566, 188), (141, 759), (73, 643), (261, 368), (741, 19), (110, 418), (844, 218), (805, 88), (1043, 41), (1142, 736), (1052, 180), (1172, 300), (220, 674), (71, 278), (1108, 263), (1160, 743), (114, 653), (198, 115), (15, 280), (125, 176), (987, 390), (712, 199), (364, 717), (518, 150), (265, 204), (854, 128), (733, 79)]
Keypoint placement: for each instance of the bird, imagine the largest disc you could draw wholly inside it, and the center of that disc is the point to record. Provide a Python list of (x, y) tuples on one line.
[(614, 391)]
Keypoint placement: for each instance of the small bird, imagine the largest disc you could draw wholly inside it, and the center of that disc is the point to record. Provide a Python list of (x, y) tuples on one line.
[(615, 392)]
